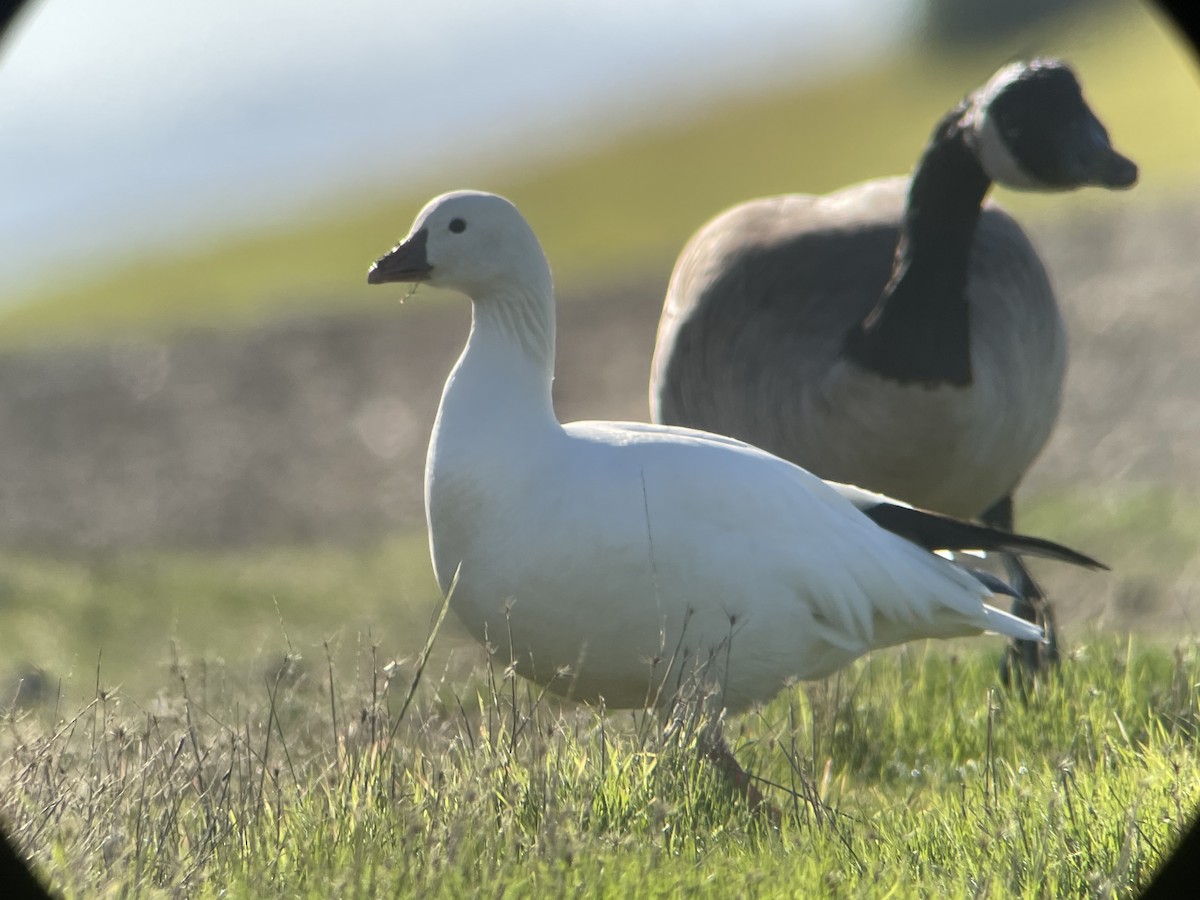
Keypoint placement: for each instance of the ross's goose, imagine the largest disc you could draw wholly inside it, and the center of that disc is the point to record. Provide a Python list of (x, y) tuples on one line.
[(897, 334), (597, 556)]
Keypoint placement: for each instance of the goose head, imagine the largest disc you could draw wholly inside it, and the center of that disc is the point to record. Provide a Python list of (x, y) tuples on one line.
[(1031, 129), (466, 241)]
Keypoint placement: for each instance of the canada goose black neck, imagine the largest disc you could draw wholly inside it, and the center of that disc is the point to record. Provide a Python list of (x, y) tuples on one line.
[(919, 330)]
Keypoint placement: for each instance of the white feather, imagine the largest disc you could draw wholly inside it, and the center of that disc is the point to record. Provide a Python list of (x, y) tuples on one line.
[(609, 549)]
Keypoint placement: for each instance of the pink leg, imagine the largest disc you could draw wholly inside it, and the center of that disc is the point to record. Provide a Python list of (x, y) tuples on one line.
[(720, 754)]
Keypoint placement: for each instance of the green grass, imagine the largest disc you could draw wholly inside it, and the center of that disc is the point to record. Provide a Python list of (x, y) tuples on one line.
[(241, 732), (64, 615), (628, 205), (908, 775)]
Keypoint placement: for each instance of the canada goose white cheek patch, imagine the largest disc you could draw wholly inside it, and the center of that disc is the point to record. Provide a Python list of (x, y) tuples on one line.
[(993, 154)]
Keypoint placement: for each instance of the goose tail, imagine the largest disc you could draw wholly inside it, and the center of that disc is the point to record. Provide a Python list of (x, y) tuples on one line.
[(1005, 623), (934, 531)]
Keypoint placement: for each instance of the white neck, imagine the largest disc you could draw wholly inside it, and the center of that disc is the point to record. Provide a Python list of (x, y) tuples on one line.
[(495, 415), (517, 321), (500, 386)]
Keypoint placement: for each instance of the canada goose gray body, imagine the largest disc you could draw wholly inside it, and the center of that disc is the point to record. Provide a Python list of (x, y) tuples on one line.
[(790, 277)]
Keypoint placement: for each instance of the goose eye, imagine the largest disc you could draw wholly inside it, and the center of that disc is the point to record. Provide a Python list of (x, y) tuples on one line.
[(458, 226)]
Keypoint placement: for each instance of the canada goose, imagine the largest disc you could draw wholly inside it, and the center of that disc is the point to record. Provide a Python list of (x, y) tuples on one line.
[(585, 552), (896, 334)]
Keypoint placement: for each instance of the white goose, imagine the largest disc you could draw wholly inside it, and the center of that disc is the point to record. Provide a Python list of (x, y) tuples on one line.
[(591, 553)]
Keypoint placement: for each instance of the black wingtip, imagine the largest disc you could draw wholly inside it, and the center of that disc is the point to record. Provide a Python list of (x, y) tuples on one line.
[(934, 531), (993, 583)]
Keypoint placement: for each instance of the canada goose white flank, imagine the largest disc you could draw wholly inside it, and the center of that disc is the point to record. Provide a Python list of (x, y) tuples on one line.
[(898, 334), (590, 553)]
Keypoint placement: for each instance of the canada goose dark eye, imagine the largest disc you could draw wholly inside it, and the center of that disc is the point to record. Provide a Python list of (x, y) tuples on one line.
[(458, 226)]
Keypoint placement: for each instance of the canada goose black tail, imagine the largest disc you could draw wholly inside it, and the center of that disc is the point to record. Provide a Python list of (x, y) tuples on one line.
[(934, 531)]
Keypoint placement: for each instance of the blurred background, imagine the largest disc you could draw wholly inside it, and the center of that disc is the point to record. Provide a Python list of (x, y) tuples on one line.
[(212, 434)]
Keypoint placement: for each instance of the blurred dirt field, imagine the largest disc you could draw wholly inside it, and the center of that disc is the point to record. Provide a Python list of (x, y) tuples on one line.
[(315, 429)]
